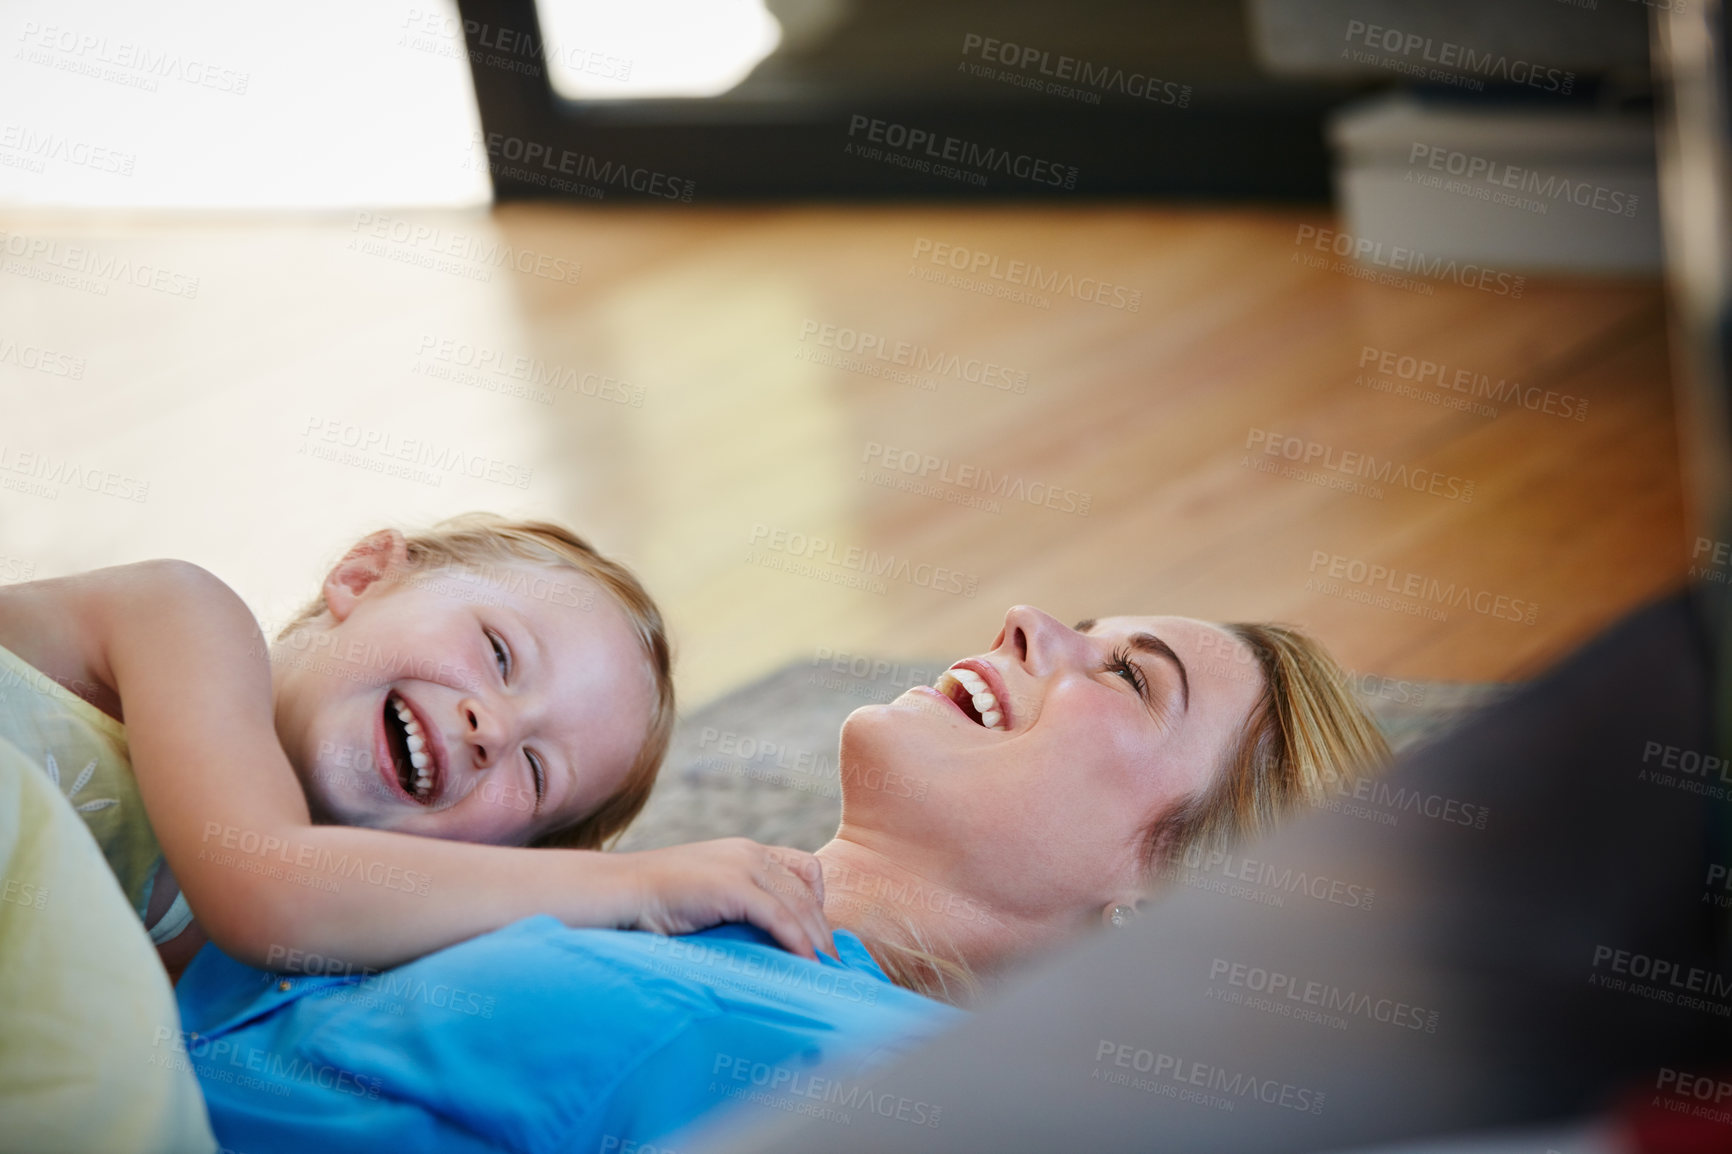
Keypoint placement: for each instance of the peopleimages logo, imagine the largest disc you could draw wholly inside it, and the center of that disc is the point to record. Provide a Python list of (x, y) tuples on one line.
[(1380, 801), (15, 569), (979, 158), (915, 358), (87, 54), (1285, 879), (543, 164), (1501, 175), (380, 449), (255, 1068), (808, 1087), (864, 562), (929, 468), (41, 147), (1101, 77), (1364, 466), (100, 267), (1400, 258), (41, 360), (1324, 997), (1720, 557), (1688, 760), (1454, 59), (41, 474), (1661, 980), (476, 255), (1440, 377), (533, 372), (770, 968), (1203, 1083), (974, 263), (1373, 577)]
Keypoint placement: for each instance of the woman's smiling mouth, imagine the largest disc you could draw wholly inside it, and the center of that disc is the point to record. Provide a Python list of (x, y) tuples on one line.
[(965, 684)]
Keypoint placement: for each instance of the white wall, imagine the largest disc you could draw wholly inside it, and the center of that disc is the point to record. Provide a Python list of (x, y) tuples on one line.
[(202, 104)]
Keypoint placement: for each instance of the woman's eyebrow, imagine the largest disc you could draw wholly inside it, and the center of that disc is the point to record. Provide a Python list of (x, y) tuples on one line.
[(1149, 643)]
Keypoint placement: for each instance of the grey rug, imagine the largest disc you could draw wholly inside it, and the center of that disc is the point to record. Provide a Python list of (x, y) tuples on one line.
[(761, 762)]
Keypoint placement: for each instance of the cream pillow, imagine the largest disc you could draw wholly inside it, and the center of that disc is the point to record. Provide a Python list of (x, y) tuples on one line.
[(90, 1054)]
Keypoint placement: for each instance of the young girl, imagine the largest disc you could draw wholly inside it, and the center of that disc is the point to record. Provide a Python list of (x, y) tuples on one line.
[(490, 686)]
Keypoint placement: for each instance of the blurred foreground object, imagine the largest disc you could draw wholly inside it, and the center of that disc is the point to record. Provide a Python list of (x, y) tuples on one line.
[(1516, 940)]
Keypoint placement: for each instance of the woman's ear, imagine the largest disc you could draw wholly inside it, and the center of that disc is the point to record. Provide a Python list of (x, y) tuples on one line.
[(1121, 913), (369, 559)]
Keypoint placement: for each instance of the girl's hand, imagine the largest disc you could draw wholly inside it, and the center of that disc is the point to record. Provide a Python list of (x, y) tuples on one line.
[(685, 888)]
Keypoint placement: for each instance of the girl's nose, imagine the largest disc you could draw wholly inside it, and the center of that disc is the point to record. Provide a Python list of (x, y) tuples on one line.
[(482, 730)]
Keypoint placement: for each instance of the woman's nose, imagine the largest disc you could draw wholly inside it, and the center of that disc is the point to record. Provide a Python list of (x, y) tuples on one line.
[(1035, 638)]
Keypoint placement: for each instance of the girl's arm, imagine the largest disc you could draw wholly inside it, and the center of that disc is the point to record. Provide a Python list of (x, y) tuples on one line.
[(270, 887)]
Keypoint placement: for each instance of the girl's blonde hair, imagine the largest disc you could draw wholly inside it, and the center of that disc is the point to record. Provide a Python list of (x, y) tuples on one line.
[(475, 541), (1306, 734)]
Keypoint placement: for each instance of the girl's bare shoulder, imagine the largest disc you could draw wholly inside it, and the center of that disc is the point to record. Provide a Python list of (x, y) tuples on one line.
[(67, 626)]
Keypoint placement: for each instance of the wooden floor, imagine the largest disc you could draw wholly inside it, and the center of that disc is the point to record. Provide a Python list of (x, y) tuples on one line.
[(745, 443)]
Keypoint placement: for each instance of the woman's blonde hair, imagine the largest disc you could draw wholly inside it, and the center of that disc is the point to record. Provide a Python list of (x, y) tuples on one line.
[(476, 541), (1306, 734)]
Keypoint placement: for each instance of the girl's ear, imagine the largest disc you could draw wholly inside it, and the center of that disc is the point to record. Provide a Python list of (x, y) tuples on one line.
[(369, 559)]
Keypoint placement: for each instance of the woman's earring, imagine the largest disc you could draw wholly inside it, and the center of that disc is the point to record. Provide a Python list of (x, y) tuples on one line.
[(1121, 916)]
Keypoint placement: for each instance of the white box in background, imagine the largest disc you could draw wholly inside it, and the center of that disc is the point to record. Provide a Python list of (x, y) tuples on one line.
[(1517, 189)]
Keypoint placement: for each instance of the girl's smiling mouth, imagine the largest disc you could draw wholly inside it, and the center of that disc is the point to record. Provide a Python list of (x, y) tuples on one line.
[(410, 758)]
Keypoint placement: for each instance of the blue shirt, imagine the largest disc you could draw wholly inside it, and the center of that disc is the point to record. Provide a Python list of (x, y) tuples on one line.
[(538, 1037)]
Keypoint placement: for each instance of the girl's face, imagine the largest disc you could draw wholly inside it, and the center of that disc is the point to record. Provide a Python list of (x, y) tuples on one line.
[(483, 707), (1037, 800)]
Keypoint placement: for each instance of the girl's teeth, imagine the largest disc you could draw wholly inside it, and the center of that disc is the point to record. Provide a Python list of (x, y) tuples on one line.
[(984, 700), (991, 719), (419, 758)]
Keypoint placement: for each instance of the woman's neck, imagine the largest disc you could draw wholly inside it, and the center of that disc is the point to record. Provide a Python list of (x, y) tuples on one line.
[(882, 896)]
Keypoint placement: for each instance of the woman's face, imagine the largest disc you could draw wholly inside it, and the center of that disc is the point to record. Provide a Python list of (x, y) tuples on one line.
[(1043, 816), (525, 689)]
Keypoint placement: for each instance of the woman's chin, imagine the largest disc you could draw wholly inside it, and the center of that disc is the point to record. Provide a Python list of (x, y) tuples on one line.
[(891, 749), (871, 723)]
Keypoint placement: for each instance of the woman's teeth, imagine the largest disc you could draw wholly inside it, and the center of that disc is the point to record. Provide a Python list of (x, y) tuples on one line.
[(419, 758), (964, 681)]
